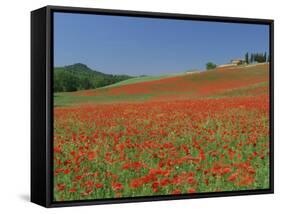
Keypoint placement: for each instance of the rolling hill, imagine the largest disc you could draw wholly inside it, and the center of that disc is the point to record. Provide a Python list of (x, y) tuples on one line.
[(80, 77), (239, 81)]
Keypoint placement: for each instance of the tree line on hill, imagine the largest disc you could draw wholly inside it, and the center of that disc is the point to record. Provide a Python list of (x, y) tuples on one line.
[(248, 59), (80, 77), (256, 58)]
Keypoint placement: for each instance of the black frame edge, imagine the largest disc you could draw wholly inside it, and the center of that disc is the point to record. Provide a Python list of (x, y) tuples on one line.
[(49, 106), (38, 154), (164, 15)]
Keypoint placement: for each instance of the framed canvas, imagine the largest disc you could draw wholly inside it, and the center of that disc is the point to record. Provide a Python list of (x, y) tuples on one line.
[(131, 106)]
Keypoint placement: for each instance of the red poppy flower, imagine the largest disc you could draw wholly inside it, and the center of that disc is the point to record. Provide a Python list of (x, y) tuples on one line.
[(233, 177), (67, 171), (155, 184), (164, 182), (60, 186), (176, 192), (72, 190), (116, 186), (135, 183), (191, 190), (226, 170), (191, 180), (91, 156), (98, 185)]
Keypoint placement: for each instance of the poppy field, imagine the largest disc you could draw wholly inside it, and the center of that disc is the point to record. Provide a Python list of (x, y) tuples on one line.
[(193, 133)]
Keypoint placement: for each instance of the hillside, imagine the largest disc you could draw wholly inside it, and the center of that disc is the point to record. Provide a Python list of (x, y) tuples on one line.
[(80, 77), (240, 81), (140, 79)]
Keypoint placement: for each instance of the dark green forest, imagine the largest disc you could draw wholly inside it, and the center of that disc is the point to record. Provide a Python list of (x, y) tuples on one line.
[(80, 77)]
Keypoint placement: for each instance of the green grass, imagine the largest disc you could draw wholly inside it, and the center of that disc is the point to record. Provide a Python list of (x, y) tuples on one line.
[(66, 99), (146, 79)]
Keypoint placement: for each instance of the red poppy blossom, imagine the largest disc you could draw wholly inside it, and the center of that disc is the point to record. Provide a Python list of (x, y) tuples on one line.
[(191, 190), (176, 192), (191, 180), (60, 186), (232, 177), (117, 186), (99, 185), (72, 190), (67, 171)]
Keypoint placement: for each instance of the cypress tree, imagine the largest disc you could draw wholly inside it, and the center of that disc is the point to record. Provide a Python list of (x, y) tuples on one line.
[(251, 58), (247, 58)]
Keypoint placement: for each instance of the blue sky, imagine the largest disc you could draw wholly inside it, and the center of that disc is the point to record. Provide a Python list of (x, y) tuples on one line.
[(146, 46)]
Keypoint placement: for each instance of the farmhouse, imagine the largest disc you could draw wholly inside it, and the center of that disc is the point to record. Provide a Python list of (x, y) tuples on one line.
[(233, 62), (237, 61)]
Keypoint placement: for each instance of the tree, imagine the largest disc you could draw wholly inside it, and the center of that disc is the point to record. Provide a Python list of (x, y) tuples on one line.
[(80, 77), (252, 58), (265, 57), (257, 57), (70, 82), (260, 57), (85, 83), (210, 66), (247, 58)]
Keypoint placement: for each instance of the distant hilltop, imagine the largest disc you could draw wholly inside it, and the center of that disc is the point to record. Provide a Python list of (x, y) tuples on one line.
[(237, 62), (80, 77), (249, 59)]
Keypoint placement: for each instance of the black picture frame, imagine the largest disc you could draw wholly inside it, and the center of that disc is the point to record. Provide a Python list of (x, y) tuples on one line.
[(42, 104)]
